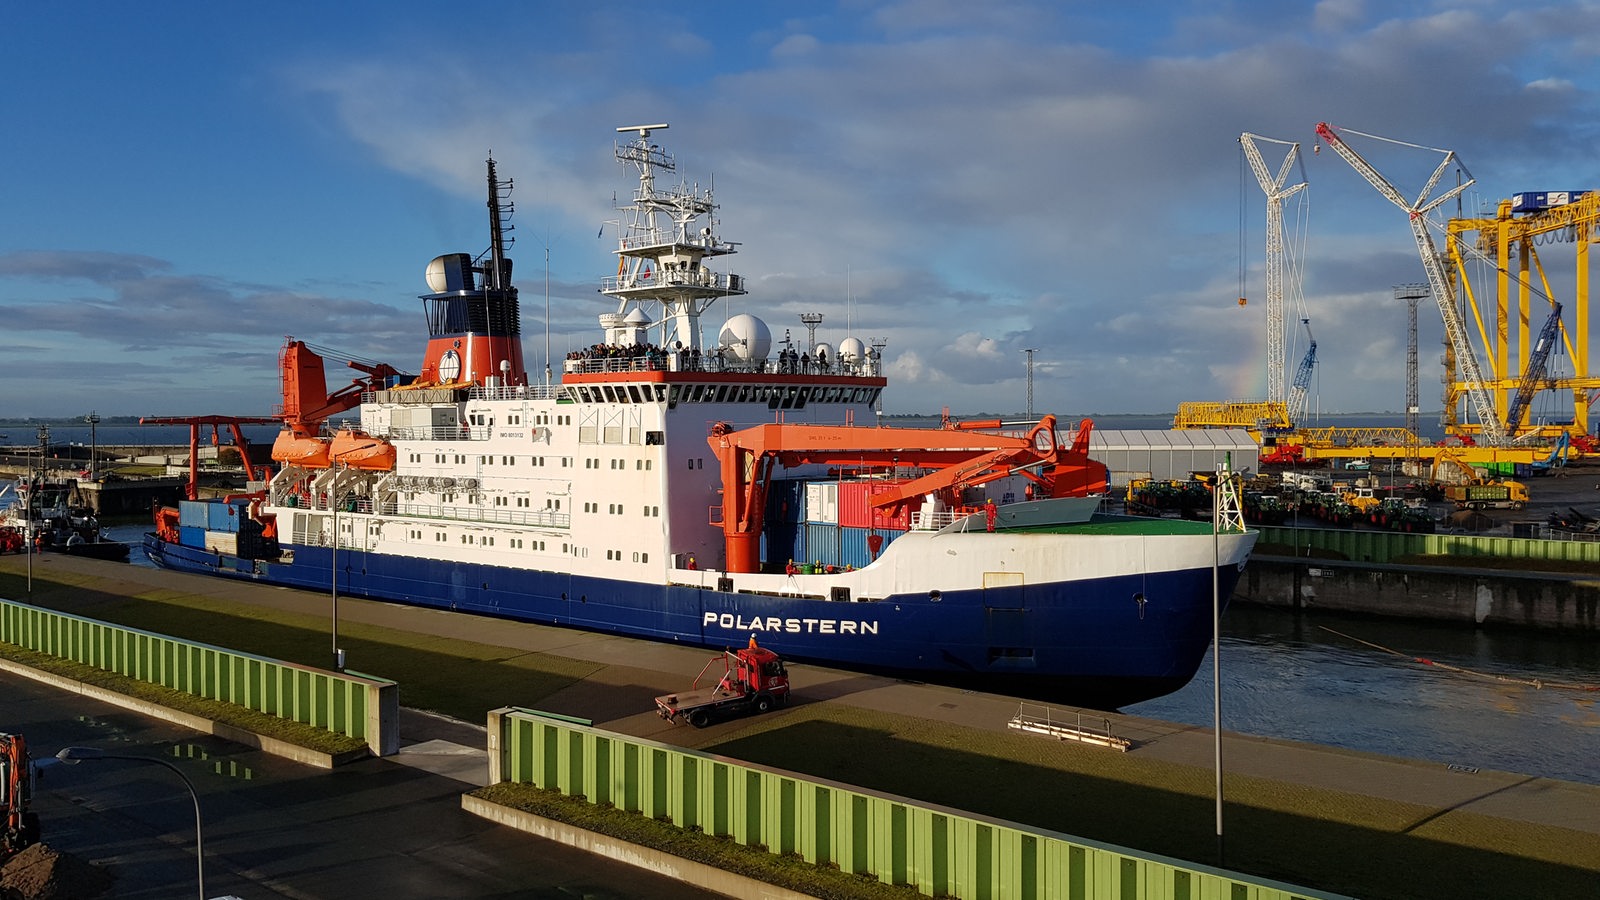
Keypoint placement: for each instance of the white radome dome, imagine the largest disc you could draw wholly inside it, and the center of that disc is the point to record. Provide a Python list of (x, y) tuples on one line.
[(852, 351), (822, 351), (746, 337), (449, 273)]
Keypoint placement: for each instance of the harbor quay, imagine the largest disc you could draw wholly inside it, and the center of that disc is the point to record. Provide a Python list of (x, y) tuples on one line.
[(1543, 829)]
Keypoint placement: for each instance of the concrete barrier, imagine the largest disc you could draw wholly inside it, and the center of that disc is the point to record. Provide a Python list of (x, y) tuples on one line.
[(1461, 596)]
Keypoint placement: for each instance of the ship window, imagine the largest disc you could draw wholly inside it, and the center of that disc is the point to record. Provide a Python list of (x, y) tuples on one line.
[(661, 392), (802, 397), (633, 393)]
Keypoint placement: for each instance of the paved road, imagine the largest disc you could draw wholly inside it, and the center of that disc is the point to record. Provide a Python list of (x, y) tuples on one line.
[(273, 828)]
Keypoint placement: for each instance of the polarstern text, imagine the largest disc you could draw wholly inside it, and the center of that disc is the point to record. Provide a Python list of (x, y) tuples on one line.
[(789, 626)]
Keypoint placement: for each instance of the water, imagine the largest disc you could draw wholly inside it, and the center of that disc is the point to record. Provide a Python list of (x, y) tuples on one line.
[(1291, 676), (27, 435)]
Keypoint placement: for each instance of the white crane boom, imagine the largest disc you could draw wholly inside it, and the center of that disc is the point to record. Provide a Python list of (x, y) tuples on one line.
[(1276, 194), (1443, 292)]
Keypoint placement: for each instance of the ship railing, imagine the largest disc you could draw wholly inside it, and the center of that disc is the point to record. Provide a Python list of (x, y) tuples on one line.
[(438, 433), (933, 521), (541, 518), (517, 392), (725, 283), (589, 362)]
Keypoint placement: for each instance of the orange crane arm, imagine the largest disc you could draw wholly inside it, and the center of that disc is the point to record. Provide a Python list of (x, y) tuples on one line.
[(959, 458), (306, 400)]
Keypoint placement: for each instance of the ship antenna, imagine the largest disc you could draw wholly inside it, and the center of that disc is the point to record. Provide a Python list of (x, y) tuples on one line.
[(500, 210)]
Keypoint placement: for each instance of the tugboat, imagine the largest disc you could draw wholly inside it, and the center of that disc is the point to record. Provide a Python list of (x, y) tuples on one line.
[(704, 486)]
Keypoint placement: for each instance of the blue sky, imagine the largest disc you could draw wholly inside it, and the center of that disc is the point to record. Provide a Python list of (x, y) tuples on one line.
[(185, 183)]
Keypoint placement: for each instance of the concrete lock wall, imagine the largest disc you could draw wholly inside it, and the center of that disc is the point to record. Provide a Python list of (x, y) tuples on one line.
[(360, 707), (939, 851), (1387, 546)]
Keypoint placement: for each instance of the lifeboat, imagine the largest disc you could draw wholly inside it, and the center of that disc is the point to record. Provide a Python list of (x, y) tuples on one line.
[(306, 452), (359, 450)]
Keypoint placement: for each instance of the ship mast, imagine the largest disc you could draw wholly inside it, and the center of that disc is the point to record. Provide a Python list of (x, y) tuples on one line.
[(661, 253)]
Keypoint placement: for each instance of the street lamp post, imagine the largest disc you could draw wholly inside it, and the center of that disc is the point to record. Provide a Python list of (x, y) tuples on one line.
[(73, 755), (333, 575), (93, 418), (336, 467)]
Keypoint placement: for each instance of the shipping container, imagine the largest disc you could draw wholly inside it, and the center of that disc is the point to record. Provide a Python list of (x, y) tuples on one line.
[(194, 514), (856, 509), (1535, 201), (855, 545), (222, 542), (224, 516), (780, 542), (822, 502), (786, 500), (822, 544), (191, 535)]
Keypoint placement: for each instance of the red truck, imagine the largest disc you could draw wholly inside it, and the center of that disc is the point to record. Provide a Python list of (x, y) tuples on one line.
[(753, 680)]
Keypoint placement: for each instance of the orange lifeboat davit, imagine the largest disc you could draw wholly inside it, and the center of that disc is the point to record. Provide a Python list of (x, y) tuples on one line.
[(359, 450), (305, 452)]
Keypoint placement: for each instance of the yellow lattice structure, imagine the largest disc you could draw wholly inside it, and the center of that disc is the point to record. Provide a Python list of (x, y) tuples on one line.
[(1255, 415), (1522, 295)]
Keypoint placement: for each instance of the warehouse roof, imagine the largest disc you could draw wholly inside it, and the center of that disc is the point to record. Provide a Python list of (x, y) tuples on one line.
[(1172, 439)]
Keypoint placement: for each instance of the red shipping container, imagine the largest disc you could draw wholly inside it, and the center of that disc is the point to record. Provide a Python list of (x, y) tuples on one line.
[(856, 509)]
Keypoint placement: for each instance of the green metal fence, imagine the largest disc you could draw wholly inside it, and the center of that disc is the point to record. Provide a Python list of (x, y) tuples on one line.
[(1385, 546), (360, 707), (941, 852)]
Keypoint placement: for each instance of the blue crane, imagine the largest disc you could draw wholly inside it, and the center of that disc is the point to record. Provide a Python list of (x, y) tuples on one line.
[(1534, 374), (1302, 377)]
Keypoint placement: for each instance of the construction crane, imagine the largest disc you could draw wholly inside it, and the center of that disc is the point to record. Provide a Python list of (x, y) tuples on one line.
[(1443, 291), (1302, 377), (1502, 269), (1534, 375), (1273, 186)]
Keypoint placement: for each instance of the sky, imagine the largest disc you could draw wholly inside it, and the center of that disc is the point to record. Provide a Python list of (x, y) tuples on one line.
[(186, 184)]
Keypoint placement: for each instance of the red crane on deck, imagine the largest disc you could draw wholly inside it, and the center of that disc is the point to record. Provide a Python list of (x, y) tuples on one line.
[(957, 459), (195, 423)]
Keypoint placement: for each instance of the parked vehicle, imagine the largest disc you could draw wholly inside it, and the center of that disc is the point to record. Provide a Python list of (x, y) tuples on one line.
[(20, 826), (753, 680)]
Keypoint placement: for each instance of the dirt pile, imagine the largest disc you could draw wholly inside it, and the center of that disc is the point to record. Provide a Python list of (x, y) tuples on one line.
[(42, 873)]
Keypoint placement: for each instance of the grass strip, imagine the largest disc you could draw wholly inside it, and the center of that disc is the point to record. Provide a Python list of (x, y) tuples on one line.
[(261, 723), (786, 871)]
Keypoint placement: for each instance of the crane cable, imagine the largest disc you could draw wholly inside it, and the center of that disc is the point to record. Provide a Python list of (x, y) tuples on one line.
[(1536, 683)]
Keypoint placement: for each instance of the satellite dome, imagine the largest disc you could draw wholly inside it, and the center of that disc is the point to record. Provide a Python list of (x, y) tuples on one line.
[(746, 337), (822, 351), (852, 351), (450, 272), (636, 317)]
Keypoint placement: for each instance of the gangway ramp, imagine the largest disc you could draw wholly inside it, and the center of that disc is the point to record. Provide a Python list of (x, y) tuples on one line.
[(1068, 726)]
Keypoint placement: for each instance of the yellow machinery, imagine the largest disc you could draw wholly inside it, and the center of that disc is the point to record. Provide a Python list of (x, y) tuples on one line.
[(1517, 284)]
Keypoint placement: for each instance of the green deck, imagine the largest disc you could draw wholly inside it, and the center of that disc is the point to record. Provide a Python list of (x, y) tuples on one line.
[(1110, 524)]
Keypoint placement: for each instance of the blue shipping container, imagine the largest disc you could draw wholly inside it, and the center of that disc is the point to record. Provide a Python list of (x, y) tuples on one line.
[(191, 535), (855, 546), (822, 544), (194, 514), (223, 516), (786, 500)]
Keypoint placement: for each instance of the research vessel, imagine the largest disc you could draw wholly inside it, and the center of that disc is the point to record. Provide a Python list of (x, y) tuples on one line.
[(697, 481)]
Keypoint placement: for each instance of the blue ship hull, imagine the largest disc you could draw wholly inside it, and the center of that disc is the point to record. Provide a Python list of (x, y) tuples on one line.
[(1085, 643)]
